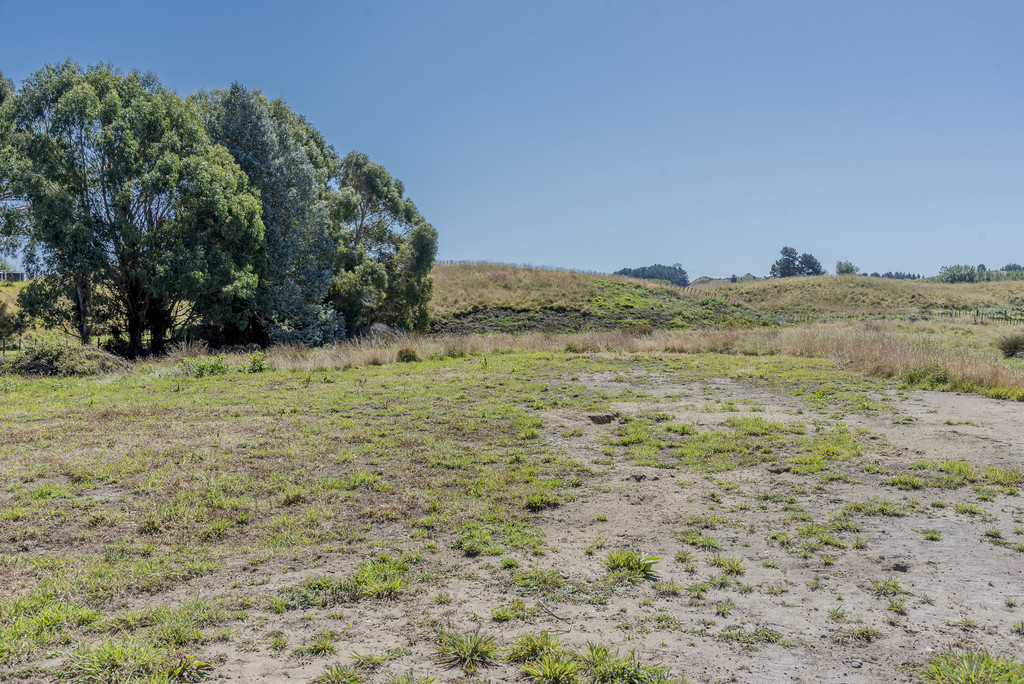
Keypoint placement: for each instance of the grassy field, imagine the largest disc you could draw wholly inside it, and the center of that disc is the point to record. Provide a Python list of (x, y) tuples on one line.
[(630, 505), (349, 518)]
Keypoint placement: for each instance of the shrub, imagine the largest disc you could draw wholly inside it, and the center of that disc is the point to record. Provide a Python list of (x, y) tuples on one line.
[(257, 363), (54, 358), (198, 366), (407, 355), (1011, 344)]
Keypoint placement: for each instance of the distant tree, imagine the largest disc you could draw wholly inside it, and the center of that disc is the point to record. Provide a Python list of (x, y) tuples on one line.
[(898, 275), (1012, 267), (791, 264), (959, 273), (787, 265), (270, 146), (810, 266), (733, 279), (845, 268), (384, 249), (674, 275), (134, 216)]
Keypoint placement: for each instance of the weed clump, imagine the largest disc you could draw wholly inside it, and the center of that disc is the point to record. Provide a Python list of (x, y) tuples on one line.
[(468, 651), (972, 666), (632, 564), (1011, 344)]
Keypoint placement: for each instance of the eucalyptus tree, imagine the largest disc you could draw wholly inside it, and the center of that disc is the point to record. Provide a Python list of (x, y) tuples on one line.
[(384, 248), (290, 164), (12, 211), (133, 213)]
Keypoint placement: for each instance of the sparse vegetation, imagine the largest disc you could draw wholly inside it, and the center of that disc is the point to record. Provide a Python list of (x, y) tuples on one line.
[(509, 473)]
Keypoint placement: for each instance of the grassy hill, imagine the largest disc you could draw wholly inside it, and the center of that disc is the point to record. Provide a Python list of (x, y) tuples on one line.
[(861, 295), (9, 293), (474, 297)]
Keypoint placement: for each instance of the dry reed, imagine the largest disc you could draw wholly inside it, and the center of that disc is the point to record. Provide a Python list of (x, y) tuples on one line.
[(866, 348)]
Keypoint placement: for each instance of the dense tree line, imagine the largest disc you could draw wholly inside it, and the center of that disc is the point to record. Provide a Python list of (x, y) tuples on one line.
[(143, 214), (897, 275), (674, 274)]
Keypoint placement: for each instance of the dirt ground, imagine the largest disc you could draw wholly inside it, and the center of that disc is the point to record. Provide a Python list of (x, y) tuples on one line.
[(830, 622)]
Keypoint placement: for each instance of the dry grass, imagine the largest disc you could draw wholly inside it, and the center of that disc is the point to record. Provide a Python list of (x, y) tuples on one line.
[(463, 287), (903, 352), (859, 295)]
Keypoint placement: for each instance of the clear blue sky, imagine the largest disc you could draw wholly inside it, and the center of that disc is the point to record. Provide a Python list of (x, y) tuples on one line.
[(596, 135)]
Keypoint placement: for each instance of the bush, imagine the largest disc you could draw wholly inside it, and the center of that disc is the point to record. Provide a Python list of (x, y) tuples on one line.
[(257, 363), (197, 366), (1011, 344), (407, 355), (54, 358)]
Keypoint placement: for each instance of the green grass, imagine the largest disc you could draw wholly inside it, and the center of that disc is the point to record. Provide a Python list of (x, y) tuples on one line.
[(972, 665), (469, 651), (631, 564), (205, 468), (383, 486)]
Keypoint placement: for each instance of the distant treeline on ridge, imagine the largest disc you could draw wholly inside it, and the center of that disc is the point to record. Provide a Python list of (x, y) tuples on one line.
[(674, 274)]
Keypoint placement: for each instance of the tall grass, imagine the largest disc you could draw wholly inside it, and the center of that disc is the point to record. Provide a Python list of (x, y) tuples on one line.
[(898, 353)]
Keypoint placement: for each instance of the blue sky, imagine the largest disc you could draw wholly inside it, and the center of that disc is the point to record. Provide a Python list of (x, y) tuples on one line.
[(596, 135)]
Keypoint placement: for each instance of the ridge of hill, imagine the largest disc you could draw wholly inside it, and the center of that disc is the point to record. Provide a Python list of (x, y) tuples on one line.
[(481, 297), (863, 295)]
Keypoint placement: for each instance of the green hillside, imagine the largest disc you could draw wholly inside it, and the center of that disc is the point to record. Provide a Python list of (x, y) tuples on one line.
[(473, 297)]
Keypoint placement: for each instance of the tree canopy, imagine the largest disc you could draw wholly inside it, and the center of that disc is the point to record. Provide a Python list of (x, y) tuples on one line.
[(791, 264), (135, 217), (384, 248), (845, 268), (963, 273), (674, 274), (142, 215), (268, 144)]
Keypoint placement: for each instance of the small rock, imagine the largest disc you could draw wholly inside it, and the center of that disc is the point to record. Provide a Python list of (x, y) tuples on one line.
[(601, 418), (856, 663)]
